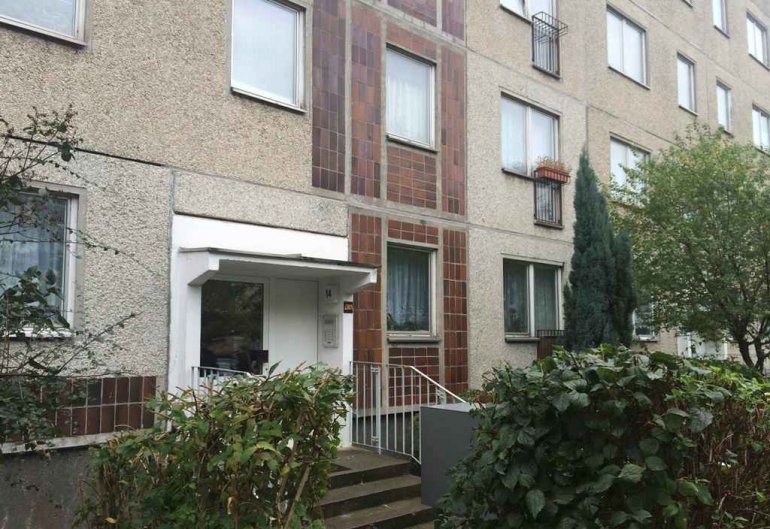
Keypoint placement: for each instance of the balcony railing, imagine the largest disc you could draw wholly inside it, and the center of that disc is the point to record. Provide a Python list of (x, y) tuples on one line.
[(547, 31), (547, 340), (548, 202)]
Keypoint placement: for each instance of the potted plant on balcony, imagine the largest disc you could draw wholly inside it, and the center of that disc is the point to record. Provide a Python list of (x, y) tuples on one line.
[(553, 170)]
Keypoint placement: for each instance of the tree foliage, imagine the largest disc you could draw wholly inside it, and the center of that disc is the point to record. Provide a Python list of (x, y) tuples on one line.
[(610, 438), (38, 350), (701, 239), (254, 452), (599, 298)]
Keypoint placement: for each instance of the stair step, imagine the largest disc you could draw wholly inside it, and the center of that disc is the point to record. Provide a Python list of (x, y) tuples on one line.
[(396, 515), (361, 466), (363, 495)]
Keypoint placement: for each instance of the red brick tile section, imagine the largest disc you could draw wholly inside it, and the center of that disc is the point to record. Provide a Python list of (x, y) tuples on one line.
[(405, 386), (366, 104), (412, 177), (455, 310), (407, 231), (409, 41), (453, 18), (366, 247), (106, 405), (424, 10), (329, 95), (452, 131)]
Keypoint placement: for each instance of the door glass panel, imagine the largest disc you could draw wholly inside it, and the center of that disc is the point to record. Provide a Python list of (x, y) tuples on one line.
[(232, 326)]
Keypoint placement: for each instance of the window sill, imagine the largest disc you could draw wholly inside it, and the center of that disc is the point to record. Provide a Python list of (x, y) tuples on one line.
[(517, 15), (722, 31), (514, 338), (762, 64), (517, 174), (413, 144), (646, 339), (42, 32), (413, 338), (42, 336), (268, 101), (547, 72), (689, 111), (638, 83), (551, 225), (726, 131)]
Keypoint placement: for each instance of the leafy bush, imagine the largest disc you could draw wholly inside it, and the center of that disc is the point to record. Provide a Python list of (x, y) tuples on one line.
[(253, 453), (610, 438)]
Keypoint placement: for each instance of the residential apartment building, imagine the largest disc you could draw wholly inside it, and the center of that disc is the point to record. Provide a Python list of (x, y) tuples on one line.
[(355, 180)]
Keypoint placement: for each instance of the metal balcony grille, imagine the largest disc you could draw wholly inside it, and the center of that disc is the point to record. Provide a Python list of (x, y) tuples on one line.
[(548, 202), (546, 33), (548, 339)]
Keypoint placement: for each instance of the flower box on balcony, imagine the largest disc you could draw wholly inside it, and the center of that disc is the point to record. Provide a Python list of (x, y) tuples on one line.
[(553, 171)]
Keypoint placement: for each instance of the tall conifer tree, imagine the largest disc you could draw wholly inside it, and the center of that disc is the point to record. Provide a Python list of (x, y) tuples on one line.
[(599, 299)]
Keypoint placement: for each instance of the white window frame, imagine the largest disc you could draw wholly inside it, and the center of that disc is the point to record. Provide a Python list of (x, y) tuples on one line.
[(720, 5), (752, 20), (432, 331), (763, 115), (643, 337), (431, 100), (531, 323), (252, 91), (68, 273), (630, 149), (531, 163), (625, 21), (728, 127), (527, 11), (683, 59), (80, 25)]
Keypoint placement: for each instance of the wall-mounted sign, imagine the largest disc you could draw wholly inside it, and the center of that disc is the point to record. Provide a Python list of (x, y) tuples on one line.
[(347, 307)]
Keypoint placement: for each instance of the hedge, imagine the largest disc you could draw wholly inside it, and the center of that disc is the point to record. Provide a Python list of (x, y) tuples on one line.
[(614, 439)]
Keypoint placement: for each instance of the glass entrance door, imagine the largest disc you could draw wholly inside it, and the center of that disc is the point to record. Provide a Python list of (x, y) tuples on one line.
[(233, 326)]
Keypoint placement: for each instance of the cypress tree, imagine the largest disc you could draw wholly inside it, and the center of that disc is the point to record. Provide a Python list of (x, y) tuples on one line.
[(599, 298)]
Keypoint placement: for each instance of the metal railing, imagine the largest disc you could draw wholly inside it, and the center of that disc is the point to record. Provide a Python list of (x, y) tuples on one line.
[(546, 33), (386, 407), (211, 378), (548, 202)]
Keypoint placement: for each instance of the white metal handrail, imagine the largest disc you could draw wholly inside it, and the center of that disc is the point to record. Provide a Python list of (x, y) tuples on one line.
[(208, 378), (387, 403)]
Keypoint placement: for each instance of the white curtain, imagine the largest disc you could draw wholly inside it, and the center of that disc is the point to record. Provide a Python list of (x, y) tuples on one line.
[(408, 290), (545, 299), (633, 52), (408, 98), (513, 135), (685, 83), (615, 40), (723, 106), (515, 297), (265, 49), (38, 241), (55, 15), (543, 136), (517, 6)]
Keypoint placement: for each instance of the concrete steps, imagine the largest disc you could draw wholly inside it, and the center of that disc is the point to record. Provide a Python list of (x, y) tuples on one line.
[(371, 491)]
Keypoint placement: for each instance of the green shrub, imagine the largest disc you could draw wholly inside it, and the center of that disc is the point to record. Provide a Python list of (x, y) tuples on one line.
[(610, 438), (254, 453)]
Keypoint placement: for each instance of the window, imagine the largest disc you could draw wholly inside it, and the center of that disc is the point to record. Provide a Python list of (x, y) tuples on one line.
[(531, 298), (43, 240), (268, 51), (724, 107), (410, 289), (685, 74), (644, 323), (720, 15), (527, 8), (626, 44), (61, 18), (527, 135), (761, 123), (410, 98), (623, 157), (757, 36), (232, 326)]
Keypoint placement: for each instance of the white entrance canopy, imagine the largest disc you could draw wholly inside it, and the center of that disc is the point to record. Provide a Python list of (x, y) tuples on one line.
[(203, 264)]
